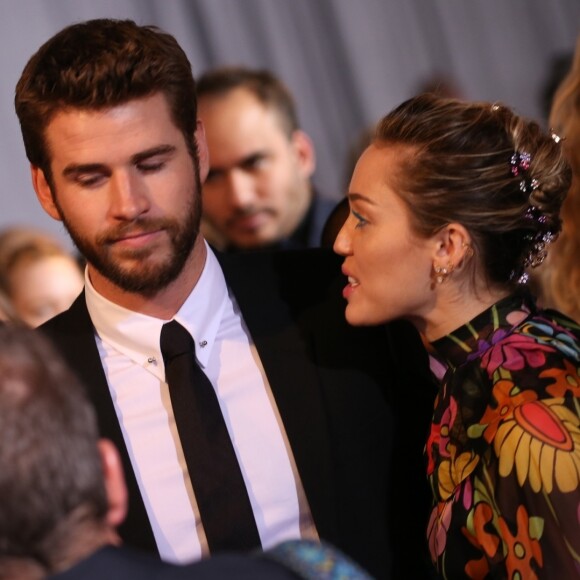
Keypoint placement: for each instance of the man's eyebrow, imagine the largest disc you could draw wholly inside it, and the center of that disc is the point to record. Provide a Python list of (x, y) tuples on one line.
[(77, 169), (254, 156), (245, 160), (154, 151)]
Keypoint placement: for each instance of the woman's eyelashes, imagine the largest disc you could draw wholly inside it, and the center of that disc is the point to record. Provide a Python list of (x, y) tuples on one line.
[(361, 221)]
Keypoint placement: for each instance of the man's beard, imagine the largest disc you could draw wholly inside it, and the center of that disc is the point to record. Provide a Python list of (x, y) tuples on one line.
[(143, 278)]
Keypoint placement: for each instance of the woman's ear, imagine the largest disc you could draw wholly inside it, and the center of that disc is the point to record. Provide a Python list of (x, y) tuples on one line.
[(452, 246)]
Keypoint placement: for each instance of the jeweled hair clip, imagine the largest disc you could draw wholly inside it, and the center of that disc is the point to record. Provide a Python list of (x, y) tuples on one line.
[(528, 185), (520, 162), (519, 165)]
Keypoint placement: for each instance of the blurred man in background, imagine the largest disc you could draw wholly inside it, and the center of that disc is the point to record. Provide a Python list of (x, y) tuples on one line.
[(258, 193)]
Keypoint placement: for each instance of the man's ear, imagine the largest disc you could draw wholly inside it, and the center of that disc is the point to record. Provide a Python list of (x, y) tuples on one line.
[(202, 150), (44, 193), (305, 153), (114, 483)]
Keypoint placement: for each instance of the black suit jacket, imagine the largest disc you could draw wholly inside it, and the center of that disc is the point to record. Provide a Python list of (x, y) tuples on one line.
[(111, 563), (355, 403)]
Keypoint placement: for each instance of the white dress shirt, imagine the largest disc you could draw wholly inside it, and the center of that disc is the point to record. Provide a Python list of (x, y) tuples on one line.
[(128, 343)]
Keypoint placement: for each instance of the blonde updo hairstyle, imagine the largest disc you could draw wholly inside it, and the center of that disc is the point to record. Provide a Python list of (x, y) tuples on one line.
[(456, 167)]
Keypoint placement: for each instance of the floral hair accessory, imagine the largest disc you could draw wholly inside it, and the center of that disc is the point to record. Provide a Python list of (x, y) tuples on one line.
[(519, 166), (520, 162), (528, 185), (535, 213), (523, 279), (537, 243), (539, 250)]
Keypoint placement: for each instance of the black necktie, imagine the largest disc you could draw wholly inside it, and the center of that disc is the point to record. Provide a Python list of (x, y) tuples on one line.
[(220, 491)]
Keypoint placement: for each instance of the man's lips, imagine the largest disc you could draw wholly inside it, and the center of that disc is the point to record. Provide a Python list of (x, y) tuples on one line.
[(136, 238), (250, 222)]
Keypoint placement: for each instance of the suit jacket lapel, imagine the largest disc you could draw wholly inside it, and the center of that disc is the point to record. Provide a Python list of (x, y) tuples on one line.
[(76, 338), (288, 362)]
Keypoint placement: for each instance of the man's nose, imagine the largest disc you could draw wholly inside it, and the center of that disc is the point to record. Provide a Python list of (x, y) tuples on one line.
[(128, 196), (241, 189)]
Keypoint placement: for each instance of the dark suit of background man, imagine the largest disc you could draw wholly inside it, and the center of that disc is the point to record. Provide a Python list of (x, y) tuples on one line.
[(319, 414), (63, 491)]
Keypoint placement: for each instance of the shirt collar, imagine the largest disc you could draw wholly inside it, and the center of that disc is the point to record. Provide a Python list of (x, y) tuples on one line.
[(136, 335)]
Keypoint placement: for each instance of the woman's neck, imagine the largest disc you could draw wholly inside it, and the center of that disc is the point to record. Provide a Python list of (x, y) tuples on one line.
[(456, 305)]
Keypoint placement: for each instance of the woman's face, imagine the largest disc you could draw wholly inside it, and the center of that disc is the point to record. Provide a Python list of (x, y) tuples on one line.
[(388, 265)]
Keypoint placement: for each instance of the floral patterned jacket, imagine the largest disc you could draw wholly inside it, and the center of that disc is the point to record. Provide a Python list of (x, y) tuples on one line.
[(504, 447)]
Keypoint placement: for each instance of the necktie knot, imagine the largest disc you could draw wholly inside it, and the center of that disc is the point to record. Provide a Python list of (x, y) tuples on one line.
[(175, 341)]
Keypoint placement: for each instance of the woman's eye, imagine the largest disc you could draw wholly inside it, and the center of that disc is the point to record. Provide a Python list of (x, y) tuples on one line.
[(361, 221)]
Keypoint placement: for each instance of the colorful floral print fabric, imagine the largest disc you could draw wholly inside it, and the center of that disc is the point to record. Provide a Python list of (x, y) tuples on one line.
[(504, 447), (312, 560)]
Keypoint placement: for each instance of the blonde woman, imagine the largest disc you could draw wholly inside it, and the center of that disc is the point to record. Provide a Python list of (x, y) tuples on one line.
[(559, 280), (39, 278)]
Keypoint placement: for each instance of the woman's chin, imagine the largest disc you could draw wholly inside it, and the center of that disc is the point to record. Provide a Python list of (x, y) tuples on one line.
[(357, 318), (360, 317)]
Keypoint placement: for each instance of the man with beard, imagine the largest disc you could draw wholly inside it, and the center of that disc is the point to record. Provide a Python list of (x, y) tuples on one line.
[(313, 409)]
